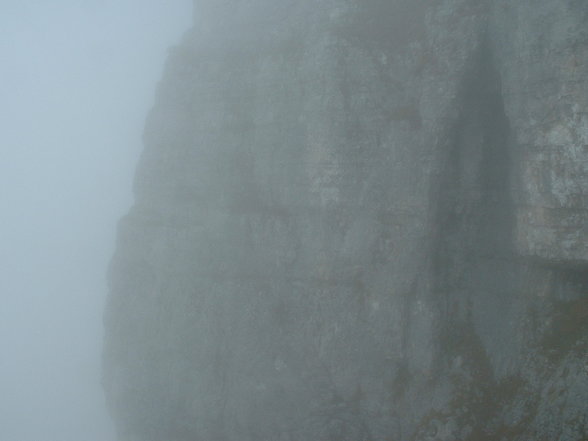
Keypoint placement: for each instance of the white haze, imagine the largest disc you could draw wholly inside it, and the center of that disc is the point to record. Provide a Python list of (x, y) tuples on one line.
[(76, 80)]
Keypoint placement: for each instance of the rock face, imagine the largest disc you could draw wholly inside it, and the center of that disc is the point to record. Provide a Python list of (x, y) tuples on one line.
[(359, 220)]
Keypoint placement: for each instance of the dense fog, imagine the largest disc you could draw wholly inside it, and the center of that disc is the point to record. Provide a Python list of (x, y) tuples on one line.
[(352, 220), (78, 77)]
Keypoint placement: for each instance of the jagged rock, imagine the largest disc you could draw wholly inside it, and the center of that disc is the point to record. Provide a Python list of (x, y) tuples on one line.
[(359, 220)]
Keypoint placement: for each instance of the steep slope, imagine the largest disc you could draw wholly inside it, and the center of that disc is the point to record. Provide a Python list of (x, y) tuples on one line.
[(359, 221)]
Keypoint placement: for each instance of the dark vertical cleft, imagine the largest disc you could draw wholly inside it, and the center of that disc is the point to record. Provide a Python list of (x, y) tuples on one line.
[(474, 213), (474, 267)]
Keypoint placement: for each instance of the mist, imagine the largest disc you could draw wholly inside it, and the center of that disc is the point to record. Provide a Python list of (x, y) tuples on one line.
[(78, 77), (352, 220)]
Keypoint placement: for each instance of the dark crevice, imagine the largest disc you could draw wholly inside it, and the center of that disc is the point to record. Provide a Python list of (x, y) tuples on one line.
[(474, 214), (474, 267)]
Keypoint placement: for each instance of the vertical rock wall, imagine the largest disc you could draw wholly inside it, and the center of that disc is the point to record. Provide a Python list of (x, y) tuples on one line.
[(359, 221)]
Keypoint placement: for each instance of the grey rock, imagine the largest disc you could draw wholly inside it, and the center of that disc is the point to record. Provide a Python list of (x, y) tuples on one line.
[(360, 221)]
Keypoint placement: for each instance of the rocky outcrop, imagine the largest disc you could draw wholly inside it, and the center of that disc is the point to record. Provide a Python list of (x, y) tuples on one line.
[(359, 220)]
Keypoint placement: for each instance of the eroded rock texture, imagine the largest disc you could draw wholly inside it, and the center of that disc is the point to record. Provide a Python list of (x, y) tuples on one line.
[(360, 220)]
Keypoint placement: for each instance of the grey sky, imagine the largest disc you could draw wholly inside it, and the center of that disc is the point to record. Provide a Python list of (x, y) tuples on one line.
[(77, 78)]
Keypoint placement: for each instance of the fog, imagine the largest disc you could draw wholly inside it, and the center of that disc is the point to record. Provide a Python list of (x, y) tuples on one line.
[(78, 77)]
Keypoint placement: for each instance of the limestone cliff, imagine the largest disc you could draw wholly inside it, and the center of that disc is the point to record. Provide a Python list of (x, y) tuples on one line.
[(359, 220)]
